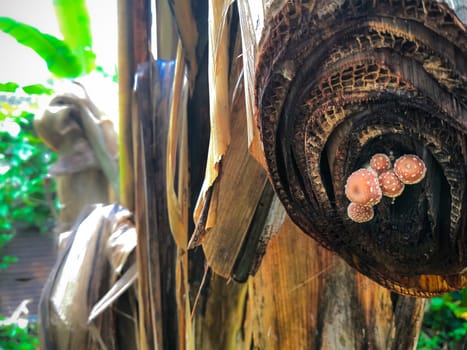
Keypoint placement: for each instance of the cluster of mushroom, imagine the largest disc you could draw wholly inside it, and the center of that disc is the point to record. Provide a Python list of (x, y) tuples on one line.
[(365, 187)]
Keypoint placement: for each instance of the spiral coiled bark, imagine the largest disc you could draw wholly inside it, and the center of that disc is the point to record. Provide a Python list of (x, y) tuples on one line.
[(338, 81)]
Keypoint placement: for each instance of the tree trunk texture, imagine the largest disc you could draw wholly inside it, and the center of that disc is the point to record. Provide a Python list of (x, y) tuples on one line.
[(305, 297), (337, 82), (268, 285)]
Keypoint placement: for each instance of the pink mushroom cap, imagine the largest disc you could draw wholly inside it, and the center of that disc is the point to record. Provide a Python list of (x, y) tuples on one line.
[(363, 188), (390, 184), (410, 169), (360, 213), (380, 162)]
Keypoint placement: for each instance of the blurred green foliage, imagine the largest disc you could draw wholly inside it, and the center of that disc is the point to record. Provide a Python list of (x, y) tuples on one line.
[(445, 323), (15, 337), (26, 199), (26, 192)]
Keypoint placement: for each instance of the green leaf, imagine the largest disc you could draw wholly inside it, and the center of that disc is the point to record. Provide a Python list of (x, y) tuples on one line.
[(5, 238), (24, 152), (437, 303), (458, 334), (56, 53), (4, 210), (6, 226), (8, 87), (464, 297), (10, 259), (37, 89), (75, 26)]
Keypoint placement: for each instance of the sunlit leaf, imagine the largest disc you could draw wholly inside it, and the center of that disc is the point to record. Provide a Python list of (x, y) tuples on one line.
[(8, 87), (37, 89), (58, 56), (74, 23)]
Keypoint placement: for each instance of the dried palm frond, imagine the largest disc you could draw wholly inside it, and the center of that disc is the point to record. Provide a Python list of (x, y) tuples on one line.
[(81, 276)]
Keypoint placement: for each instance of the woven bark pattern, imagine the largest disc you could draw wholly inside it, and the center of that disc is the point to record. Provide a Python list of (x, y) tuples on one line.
[(336, 82)]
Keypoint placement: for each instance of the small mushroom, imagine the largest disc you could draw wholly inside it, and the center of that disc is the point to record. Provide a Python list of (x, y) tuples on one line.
[(410, 169), (390, 184), (363, 188), (360, 213), (380, 162)]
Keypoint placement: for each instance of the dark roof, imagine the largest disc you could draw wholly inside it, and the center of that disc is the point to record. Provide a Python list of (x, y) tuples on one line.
[(25, 278)]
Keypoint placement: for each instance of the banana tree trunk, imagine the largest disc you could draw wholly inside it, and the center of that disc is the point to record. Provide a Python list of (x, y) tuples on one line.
[(267, 284)]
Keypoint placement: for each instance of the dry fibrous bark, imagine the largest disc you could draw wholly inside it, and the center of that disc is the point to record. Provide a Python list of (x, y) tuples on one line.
[(338, 81)]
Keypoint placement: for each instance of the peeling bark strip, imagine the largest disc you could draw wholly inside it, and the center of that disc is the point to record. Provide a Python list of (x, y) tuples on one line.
[(338, 81)]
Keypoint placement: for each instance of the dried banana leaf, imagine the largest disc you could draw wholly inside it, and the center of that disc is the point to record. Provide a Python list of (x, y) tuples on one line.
[(188, 31), (98, 131), (218, 58), (237, 191), (177, 156), (81, 276), (251, 15), (120, 287), (86, 143), (177, 190)]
